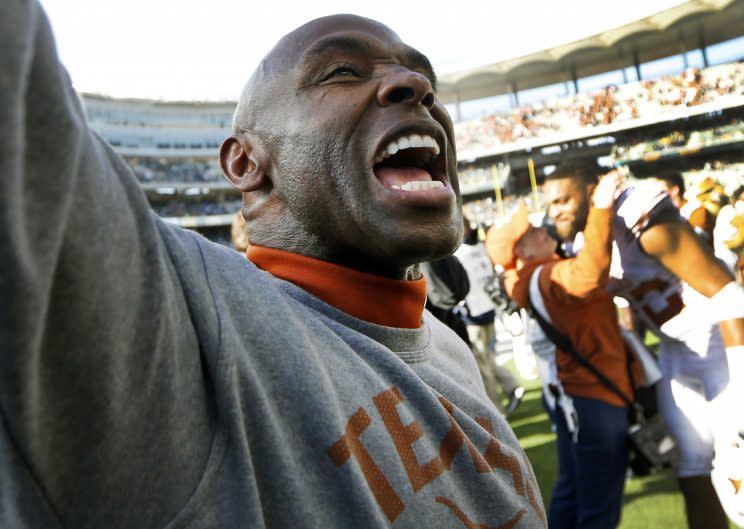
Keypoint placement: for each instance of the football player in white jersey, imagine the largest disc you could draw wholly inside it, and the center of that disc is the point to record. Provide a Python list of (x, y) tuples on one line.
[(689, 299)]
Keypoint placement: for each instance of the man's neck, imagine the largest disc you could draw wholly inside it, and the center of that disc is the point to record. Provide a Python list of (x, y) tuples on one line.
[(366, 264), (371, 297)]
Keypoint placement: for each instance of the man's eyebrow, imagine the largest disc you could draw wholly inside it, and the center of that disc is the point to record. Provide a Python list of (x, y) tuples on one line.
[(341, 43)]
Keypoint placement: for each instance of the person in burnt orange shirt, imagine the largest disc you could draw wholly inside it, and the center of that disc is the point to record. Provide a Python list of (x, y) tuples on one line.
[(591, 421)]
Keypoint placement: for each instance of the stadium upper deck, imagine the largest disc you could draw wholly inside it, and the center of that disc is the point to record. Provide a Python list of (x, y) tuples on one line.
[(160, 129), (691, 25)]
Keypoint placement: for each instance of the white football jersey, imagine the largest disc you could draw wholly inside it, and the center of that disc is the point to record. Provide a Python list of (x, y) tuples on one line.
[(655, 294)]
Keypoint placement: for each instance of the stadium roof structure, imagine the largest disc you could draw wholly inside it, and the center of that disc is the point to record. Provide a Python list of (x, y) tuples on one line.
[(691, 25), (158, 103)]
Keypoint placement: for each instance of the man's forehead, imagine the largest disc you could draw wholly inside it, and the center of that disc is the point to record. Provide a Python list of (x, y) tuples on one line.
[(295, 44)]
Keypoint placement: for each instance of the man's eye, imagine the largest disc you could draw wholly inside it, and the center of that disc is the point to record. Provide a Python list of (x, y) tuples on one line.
[(341, 71)]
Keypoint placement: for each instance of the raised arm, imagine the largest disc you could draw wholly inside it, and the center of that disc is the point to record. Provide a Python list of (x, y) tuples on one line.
[(679, 249), (92, 311), (588, 273)]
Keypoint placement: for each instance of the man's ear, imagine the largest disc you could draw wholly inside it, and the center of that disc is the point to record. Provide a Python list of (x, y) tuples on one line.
[(244, 163)]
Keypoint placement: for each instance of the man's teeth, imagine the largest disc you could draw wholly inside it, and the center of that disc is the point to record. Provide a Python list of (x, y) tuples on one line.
[(419, 185), (413, 141)]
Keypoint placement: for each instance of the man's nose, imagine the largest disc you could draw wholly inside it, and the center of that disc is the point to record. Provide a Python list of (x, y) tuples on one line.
[(401, 85)]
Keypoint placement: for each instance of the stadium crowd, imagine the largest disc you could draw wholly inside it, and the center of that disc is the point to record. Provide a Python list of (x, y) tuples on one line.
[(181, 208), (612, 104), (680, 141), (175, 170)]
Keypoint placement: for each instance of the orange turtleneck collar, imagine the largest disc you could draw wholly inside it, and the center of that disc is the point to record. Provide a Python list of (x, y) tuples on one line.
[(376, 299)]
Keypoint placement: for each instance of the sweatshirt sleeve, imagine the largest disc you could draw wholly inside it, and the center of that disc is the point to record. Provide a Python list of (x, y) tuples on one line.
[(572, 280), (98, 350)]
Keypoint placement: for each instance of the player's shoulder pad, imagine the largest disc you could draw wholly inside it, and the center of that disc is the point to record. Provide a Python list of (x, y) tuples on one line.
[(638, 205)]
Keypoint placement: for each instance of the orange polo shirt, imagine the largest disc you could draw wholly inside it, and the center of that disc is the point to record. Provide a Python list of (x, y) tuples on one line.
[(369, 297), (575, 296)]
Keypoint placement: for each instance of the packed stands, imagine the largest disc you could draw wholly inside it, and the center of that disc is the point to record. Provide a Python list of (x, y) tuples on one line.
[(184, 208), (175, 170), (612, 104), (679, 141)]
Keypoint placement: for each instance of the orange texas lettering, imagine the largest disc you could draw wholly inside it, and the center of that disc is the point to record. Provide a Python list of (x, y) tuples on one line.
[(348, 446), (496, 455)]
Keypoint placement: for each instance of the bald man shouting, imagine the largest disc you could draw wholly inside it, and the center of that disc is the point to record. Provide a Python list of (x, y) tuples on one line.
[(152, 379)]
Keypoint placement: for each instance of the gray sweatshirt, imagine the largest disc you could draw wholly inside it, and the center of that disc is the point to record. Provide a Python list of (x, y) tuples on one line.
[(152, 379)]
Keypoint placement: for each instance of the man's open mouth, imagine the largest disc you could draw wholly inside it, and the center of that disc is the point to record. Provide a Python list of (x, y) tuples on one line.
[(410, 163)]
